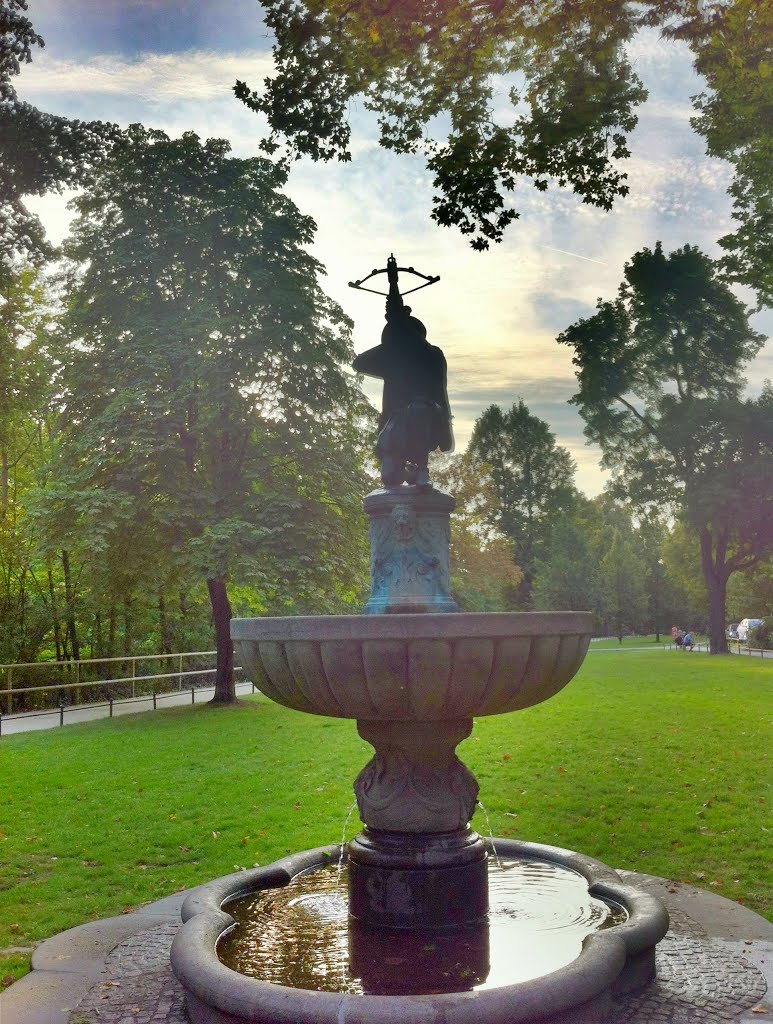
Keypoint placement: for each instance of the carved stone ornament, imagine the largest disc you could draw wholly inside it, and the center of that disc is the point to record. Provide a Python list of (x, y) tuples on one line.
[(415, 782), (409, 540)]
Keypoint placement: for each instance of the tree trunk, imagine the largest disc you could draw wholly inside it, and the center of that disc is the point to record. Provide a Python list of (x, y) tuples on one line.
[(715, 575), (112, 622), (55, 617), (164, 630), (128, 625), (72, 629), (225, 690), (4, 479)]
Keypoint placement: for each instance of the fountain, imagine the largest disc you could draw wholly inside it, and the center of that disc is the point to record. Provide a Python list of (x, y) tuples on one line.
[(432, 922)]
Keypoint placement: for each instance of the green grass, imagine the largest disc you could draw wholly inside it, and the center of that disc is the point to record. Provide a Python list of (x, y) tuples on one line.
[(652, 761)]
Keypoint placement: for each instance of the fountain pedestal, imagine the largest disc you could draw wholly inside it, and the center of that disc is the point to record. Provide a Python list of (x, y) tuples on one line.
[(417, 864), (409, 537)]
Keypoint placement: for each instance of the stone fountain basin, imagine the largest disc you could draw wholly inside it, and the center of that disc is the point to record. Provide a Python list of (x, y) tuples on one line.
[(425, 667), (611, 962)]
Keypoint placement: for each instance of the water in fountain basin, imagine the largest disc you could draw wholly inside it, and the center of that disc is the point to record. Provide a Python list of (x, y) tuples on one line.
[(301, 936)]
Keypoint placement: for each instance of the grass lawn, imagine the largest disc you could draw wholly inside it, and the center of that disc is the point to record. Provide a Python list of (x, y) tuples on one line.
[(654, 761)]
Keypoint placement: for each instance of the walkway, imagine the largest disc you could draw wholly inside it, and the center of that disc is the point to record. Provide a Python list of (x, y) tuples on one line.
[(31, 721)]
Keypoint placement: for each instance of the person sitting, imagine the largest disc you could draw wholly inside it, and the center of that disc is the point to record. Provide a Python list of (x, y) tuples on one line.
[(679, 638), (687, 643)]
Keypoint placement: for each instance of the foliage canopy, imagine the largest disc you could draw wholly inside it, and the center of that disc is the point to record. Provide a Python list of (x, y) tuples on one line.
[(206, 391), (493, 91), (660, 383)]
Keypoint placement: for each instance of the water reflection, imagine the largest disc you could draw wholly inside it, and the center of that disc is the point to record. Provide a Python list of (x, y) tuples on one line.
[(301, 935)]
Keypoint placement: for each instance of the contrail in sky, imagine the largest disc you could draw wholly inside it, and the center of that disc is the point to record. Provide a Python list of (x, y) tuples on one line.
[(579, 257)]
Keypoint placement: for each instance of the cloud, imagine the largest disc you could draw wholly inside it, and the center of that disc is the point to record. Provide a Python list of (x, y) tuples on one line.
[(198, 77)]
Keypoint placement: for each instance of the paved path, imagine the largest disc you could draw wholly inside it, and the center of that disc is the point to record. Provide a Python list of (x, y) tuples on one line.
[(35, 720)]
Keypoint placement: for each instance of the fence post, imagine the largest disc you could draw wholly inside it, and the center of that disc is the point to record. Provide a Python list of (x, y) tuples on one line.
[(1, 723), (110, 702), (180, 677), (134, 675), (61, 710), (10, 695), (193, 695), (154, 696)]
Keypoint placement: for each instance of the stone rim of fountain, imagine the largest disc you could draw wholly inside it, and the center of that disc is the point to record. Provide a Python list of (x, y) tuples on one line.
[(611, 961)]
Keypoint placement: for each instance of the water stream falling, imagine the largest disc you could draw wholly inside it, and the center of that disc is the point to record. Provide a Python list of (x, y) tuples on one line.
[(489, 832), (342, 854)]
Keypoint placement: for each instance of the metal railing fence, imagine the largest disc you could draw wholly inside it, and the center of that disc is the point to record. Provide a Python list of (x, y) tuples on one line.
[(127, 684)]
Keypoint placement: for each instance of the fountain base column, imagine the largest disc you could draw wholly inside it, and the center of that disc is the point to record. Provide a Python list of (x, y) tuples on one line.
[(417, 864), (416, 881)]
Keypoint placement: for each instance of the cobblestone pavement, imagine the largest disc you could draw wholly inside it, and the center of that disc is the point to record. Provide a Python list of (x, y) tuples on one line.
[(697, 982), (137, 986)]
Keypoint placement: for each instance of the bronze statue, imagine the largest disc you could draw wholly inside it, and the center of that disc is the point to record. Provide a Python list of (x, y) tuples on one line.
[(415, 415)]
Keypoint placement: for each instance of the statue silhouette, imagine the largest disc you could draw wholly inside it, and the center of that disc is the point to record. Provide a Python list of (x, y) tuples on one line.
[(415, 415)]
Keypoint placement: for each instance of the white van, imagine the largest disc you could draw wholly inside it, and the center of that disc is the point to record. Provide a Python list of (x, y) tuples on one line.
[(745, 625)]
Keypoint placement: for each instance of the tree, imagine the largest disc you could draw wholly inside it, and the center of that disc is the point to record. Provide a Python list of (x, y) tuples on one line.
[(206, 392), (27, 367), (660, 381), (667, 602), (572, 91), (621, 587), (532, 478), (414, 60), (731, 42), (566, 574), (750, 594), (39, 152), (484, 577)]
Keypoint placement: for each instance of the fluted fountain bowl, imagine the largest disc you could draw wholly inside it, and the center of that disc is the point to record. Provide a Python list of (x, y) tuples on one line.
[(428, 667)]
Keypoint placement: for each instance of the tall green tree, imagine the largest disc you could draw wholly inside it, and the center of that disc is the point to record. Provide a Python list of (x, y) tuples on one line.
[(206, 388), (667, 603), (566, 573), (435, 76), (622, 593), (660, 376), (533, 479), (484, 577), (27, 366)]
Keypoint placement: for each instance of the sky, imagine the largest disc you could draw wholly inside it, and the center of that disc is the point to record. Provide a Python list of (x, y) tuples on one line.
[(171, 64)]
